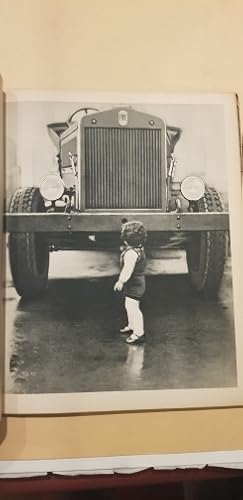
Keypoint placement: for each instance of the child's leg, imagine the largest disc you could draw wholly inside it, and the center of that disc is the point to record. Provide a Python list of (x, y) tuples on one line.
[(135, 316), (129, 312)]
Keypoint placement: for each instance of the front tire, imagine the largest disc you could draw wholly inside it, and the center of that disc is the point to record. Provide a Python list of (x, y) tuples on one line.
[(206, 251), (28, 252)]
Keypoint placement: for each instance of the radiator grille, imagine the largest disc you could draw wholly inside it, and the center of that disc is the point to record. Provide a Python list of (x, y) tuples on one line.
[(122, 168)]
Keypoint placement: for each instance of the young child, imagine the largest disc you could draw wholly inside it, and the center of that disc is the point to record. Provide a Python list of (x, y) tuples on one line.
[(132, 278)]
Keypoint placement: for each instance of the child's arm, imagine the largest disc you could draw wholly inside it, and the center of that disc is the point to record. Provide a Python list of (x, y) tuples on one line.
[(130, 259)]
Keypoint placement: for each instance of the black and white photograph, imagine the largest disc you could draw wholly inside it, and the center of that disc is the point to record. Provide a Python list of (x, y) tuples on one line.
[(122, 283)]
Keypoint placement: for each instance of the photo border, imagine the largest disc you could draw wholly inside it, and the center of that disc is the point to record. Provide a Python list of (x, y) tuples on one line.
[(116, 401)]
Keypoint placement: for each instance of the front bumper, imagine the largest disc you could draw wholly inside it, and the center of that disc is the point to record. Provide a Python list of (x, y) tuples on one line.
[(111, 222)]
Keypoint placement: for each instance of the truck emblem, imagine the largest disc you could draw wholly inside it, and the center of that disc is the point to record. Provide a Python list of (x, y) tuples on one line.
[(123, 118)]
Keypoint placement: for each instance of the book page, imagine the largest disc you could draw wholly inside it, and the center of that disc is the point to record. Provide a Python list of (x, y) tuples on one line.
[(130, 46)]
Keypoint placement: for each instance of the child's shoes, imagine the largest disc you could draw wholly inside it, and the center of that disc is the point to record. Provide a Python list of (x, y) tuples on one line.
[(135, 339), (126, 330)]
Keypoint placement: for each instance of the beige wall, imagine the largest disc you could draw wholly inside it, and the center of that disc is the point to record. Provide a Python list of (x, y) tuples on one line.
[(129, 45)]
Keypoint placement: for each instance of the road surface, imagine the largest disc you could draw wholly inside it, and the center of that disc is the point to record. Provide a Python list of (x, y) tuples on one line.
[(69, 340)]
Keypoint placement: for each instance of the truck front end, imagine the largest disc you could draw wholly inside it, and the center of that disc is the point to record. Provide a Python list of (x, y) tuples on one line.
[(115, 166)]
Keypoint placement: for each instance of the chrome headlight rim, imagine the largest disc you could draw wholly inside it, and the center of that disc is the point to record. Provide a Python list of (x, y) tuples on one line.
[(193, 188), (52, 187)]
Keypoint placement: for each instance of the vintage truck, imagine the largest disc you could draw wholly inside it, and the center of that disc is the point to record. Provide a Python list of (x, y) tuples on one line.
[(114, 166)]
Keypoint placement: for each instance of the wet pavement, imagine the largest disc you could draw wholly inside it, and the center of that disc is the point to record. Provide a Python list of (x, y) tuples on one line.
[(68, 340)]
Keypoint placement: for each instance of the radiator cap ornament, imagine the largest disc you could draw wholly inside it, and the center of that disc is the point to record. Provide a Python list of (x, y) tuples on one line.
[(123, 117)]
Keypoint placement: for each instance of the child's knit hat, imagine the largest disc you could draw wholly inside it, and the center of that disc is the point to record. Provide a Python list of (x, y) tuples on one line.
[(134, 233)]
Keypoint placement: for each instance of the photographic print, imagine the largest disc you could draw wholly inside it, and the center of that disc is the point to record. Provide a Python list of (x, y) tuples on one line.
[(122, 220)]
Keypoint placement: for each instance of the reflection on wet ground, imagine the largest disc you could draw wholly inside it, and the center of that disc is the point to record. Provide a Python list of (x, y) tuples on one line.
[(69, 341)]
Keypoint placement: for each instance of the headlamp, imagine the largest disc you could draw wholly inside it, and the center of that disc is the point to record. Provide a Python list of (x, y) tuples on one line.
[(192, 188), (52, 187)]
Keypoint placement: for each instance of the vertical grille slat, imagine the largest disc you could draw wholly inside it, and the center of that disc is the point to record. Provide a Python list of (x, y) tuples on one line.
[(122, 168)]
